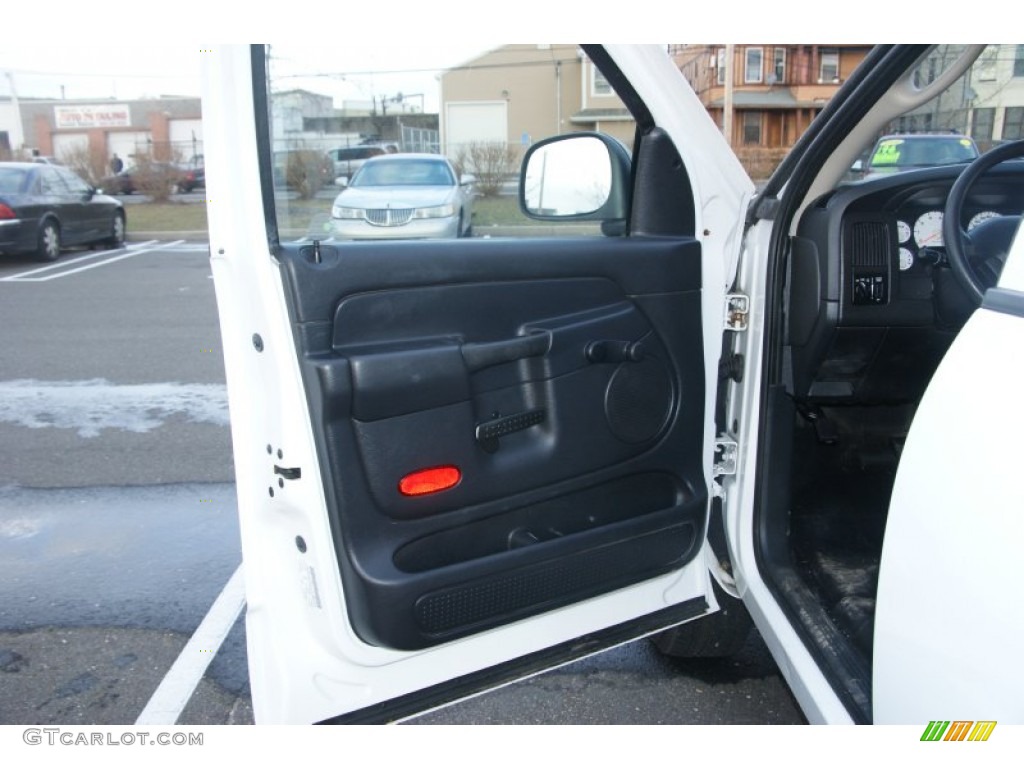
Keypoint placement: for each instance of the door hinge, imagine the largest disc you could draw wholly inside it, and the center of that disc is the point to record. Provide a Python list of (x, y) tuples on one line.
[(737, 311), (726, 453)]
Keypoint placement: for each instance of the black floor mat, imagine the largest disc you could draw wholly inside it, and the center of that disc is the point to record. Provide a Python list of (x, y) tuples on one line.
[(841, 497)]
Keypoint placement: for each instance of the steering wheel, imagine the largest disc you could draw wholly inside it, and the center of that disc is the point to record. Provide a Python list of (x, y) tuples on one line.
[(987, 245)]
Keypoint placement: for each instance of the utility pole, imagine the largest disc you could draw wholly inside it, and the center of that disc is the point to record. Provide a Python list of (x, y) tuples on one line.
[(18, 139)]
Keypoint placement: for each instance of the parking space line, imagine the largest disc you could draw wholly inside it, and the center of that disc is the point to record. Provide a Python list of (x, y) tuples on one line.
[(175, 690), (128, 255), (60, 264)]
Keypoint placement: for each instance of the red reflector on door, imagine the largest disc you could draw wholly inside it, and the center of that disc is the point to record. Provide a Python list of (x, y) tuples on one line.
[(426, 481)]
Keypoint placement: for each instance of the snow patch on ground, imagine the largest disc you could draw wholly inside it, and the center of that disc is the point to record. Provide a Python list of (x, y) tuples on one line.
[(94, 405)]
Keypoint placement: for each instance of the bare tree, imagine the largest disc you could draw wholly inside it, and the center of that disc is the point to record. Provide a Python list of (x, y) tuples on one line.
[(492, 162), (307, 171), (88, 162)]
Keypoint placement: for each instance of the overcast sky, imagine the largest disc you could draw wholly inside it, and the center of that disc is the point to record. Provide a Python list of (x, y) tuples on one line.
[(126, 50)]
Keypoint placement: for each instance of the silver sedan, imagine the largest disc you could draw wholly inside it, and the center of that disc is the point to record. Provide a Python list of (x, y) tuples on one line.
[(406, 196)]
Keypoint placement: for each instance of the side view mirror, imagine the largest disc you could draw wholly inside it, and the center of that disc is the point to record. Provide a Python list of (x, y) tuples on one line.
[(575, 177), (466, 179), (341, 181)]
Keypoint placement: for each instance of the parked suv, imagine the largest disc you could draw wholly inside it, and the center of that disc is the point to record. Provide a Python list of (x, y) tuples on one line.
[(903, 152), (348, 160)]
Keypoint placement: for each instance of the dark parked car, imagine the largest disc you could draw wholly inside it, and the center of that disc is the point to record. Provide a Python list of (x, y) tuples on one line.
[(44, 208), (139, 179), (193, 175)]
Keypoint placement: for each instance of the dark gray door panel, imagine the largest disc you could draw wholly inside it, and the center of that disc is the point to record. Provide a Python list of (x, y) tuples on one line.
[(560, 382)]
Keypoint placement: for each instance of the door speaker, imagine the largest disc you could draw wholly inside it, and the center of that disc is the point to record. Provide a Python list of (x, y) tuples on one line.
[(638, 400)]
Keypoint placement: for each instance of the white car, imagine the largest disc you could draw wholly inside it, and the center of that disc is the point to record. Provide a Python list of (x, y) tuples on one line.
[(406, 196), (460, 462)]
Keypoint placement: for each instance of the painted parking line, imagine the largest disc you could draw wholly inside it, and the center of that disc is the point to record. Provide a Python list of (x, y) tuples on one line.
[(21, 277), (175, 690), (65, 263)]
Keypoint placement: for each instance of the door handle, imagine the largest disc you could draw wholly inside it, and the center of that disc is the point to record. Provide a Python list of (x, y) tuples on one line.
[(488, 432), (615, 351), (478, 356)]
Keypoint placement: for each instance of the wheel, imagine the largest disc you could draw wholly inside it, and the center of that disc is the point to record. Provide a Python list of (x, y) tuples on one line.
[(976, 259), (48, 246), (116, 239), (718, 635)]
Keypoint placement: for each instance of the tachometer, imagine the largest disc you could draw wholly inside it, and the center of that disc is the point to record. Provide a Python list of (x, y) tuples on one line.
[(980, 217), (928, 229), (903, 231)]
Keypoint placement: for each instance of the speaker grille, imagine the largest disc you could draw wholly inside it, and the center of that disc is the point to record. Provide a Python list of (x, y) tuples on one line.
[(638, 401)]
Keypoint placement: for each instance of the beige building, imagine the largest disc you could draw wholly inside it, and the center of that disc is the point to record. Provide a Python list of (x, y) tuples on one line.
[(516, 95)]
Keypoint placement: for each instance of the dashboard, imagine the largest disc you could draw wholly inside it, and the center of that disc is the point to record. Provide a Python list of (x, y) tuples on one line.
[(869, 286)]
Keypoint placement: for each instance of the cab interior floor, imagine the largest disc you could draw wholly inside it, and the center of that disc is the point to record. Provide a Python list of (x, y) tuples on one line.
[(845, 461)]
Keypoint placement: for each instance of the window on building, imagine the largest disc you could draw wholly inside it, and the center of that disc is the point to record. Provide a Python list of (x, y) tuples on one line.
[(829, 68), (752, 128), (987, 64), (599, 86), (779, 65), (720, 58), (1018, 62), (1013, 123), (982, 124), (753, 72)]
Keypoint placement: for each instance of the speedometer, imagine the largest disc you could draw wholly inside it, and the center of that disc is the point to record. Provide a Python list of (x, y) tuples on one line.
[(928, 229)]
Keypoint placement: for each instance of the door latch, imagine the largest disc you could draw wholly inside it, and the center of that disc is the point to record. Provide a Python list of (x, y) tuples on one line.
[(726, 455), (288, 473), (737, 312)]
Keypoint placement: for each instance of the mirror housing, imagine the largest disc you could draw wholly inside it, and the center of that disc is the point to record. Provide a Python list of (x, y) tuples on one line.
[(576, 177)]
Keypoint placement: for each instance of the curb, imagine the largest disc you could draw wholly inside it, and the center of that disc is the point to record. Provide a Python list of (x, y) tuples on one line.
[(190, 235)]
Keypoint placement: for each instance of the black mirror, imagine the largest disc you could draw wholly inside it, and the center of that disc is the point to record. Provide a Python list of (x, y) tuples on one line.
[(579, 176)]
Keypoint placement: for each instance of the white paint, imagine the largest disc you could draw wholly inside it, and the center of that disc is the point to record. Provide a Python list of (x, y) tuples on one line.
[(169, 699), (94, 405), (132, 252), (948, 623), (64, 263)]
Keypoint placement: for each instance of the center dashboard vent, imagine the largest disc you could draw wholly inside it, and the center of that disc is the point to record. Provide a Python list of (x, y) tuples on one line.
[(868, 244)]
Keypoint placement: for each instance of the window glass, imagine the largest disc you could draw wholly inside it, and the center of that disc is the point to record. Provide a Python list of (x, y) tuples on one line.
[(1013, 124), (751, 127), (984, 120), (829, 69), (11, 180), (779, 65), (721, 66), (75, 184), (50, 183), (973, 114), (358, 135), (754, 66), (1018, 61)]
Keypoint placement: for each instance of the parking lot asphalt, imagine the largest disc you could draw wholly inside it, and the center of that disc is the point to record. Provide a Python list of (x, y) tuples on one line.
[(118, 521)]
